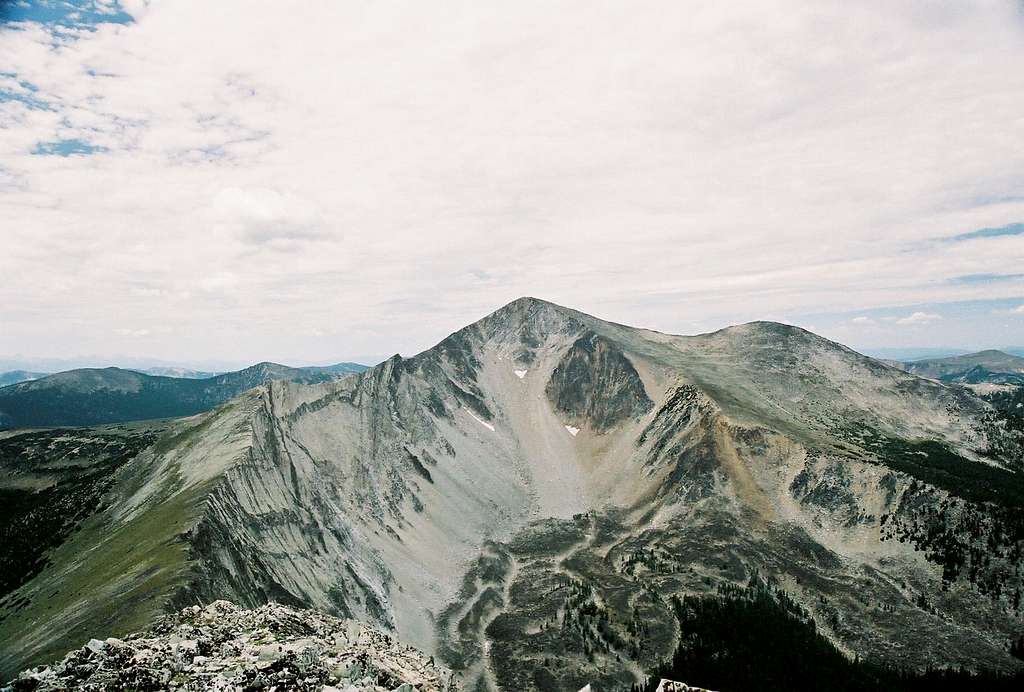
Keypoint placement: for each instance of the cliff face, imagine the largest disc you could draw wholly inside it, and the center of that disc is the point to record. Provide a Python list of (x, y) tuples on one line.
[(541, 482)]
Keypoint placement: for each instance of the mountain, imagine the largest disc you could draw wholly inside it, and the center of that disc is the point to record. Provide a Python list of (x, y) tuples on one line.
[(51, 365), (534, 500), (171, 371), (995, 376), (335, 369), (112, 395), (15, 376), (991, 366), (908, 354)]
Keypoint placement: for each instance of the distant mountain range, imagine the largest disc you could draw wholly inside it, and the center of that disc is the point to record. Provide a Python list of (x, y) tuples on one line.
[(994, 367), (95, 396), (922, 353), (52, 365), (170, 371), (15, 376)]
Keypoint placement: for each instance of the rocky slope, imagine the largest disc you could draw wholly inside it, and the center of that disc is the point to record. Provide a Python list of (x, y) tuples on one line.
[(221, 647), (524, 500), (96, 396)]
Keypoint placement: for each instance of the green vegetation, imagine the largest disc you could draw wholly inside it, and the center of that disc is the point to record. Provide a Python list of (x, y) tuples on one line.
[(1010, 402), (61, 476), (111, 575), (572, 617), (111, 395), (936, 464), (1004, 427), (1017, 648), (981, 543), (757, 638), (976, 533), (48, 407)]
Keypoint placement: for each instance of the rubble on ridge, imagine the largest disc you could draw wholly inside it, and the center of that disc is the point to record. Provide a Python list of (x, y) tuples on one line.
[(223, 647)]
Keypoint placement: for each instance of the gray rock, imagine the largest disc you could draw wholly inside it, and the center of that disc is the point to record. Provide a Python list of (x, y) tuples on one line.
[(167, 656), (96, 646), (270, 652)]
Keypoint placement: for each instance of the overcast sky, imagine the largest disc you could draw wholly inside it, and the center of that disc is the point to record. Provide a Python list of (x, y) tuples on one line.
[(312, 181)]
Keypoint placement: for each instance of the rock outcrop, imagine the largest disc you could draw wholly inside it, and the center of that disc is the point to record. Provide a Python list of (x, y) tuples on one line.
[(222, 647), (673, 686), (664, 686)]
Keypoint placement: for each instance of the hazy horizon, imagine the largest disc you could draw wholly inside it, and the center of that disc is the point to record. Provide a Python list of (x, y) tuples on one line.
[(20, 361)]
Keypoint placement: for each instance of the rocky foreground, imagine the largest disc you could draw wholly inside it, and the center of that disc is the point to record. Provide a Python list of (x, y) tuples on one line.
[(223, 647), (272, 648), (672, 686)]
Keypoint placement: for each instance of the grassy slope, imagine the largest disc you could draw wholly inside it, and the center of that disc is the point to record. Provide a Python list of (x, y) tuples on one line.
[(115, 574)]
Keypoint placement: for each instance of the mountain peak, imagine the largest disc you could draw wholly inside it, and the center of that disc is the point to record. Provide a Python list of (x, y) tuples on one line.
[(768, 331), (526, 317), (528, 305), (988, 352), (529, 301), (266, 365)]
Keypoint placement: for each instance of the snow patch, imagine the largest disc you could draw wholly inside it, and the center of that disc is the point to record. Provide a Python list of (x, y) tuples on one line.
[(478, 420), (572, 431), (520, 373)]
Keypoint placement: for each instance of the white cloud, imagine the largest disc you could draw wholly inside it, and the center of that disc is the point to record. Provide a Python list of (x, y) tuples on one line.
[(219, 282), (132, 332), (919, 318), (625, 161), (862, 320), (136, 8), (265, 216)]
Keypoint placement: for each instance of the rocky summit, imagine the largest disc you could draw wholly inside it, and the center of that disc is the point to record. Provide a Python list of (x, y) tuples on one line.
[(223, 647)]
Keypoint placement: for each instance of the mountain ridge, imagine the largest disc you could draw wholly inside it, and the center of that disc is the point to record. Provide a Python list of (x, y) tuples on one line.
[(96, 396), (989, 366), (540, 481), (16, 376)]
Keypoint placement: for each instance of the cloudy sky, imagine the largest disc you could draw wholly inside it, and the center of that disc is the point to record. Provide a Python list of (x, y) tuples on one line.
[(312, 181)]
